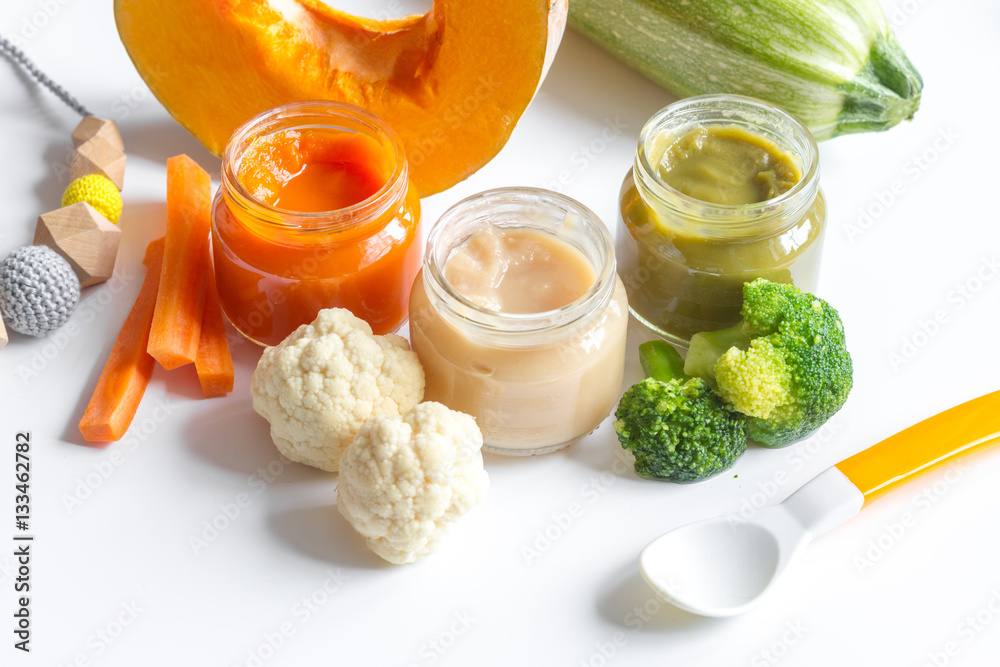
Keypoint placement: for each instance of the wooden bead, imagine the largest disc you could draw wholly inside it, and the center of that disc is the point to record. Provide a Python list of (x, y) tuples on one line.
[(3, 334), (97, 156), (92, 126), (84, 238)]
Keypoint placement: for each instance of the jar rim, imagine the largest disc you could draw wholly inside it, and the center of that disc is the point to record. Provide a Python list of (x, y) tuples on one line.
[(726, 109), (295, 115), (476, 208)]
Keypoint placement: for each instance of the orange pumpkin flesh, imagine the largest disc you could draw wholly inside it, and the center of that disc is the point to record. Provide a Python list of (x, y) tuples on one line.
[(452, 83)]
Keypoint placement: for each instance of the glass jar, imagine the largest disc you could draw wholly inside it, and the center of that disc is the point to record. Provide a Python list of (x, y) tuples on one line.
[(684, 261), (277, 268), (535, 382)]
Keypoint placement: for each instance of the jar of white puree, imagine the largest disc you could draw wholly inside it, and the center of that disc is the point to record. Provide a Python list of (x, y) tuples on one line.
[(519, 318)]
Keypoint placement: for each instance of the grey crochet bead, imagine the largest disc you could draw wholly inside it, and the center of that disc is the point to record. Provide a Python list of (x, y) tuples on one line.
[(38, 290)]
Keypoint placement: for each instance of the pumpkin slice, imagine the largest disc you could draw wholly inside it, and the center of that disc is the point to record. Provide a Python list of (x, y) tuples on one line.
[(452, 83)]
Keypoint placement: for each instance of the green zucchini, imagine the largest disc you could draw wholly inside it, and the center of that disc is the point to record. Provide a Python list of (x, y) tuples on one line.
[(833, 63)]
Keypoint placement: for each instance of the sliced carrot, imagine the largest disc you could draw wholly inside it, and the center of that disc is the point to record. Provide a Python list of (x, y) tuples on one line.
[(176, 329), (154, 251), (129, 367), (215, 362)]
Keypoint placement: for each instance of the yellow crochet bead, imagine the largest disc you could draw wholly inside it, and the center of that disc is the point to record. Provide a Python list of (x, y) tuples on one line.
[(99, 192)]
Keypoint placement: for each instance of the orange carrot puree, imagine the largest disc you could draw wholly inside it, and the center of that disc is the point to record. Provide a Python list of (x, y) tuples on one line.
[(325, 228)]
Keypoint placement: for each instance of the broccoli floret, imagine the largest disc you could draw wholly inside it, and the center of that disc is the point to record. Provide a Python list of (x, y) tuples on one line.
[(785, 366), (754, 381), (675, 426)]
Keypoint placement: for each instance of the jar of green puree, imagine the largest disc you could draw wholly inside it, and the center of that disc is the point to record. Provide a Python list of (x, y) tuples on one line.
[(724, 190)]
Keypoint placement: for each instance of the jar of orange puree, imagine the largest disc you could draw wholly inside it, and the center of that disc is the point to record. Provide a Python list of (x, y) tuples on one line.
[(315, 211), (519, 318)]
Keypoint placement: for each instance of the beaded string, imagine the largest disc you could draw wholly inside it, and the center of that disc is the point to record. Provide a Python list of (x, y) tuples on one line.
[(17, 56), (40, 284)]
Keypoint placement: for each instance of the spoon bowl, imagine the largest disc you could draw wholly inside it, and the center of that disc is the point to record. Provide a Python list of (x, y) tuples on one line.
[(723, 566), (713, 566)]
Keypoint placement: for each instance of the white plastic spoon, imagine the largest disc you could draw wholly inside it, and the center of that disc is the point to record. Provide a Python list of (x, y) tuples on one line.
[(723, 566)]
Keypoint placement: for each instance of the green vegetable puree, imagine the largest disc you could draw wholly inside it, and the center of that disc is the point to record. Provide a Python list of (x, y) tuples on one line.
[(725, 164), (684, 271)]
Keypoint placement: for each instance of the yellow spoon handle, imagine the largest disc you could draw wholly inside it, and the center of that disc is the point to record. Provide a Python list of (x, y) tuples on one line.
[(934, 442)]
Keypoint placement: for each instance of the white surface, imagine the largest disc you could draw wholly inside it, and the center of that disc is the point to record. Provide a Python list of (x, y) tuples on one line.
[(905, 580)]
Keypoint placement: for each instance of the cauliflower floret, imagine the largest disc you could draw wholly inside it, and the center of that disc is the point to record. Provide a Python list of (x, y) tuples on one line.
[(319, 385), (404, 479)]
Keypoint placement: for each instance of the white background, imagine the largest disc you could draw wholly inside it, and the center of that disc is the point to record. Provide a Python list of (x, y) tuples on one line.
[(874, 592)]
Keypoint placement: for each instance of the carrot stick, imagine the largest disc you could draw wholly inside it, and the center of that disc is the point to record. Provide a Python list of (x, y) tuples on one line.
[(129, 367), (176, 329), (215, 362), (154, 252)]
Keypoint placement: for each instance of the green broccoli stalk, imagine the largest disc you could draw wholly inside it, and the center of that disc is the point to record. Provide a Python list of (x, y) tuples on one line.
[(785, 366), (675, 426)]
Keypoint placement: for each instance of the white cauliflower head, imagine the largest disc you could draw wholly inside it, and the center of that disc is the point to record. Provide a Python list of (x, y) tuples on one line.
[(319, 385), (404, 479)]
